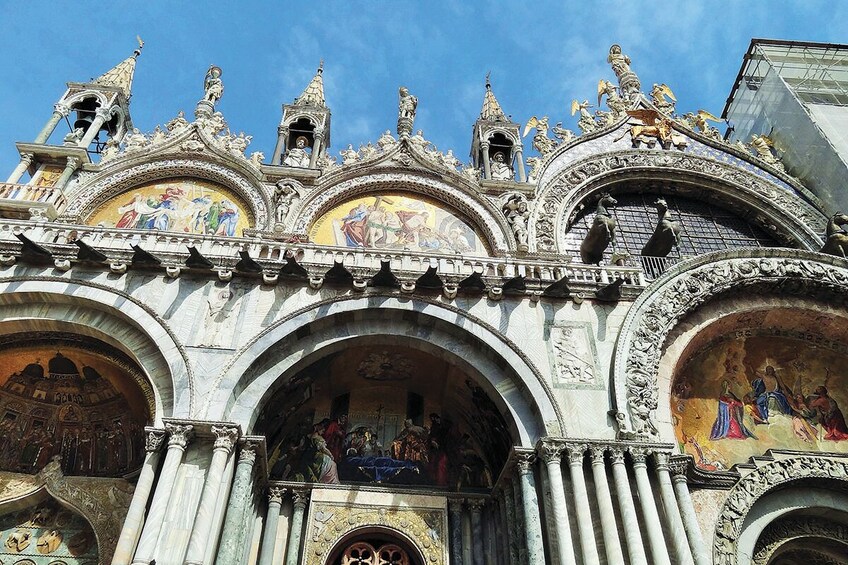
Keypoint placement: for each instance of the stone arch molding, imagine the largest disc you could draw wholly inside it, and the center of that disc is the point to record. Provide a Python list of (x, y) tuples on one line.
[(295, 342), (91, 193), (93, 310), (786, 530), (755, 485), (420, 529), (558, 200), (684, 288), (483, 214)]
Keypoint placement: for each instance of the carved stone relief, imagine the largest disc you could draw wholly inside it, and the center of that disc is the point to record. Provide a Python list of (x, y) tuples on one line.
[(574, 359), (783, 531)]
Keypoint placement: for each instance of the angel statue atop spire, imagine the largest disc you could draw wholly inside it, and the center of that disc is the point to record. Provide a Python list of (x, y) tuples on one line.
[(212, 85)]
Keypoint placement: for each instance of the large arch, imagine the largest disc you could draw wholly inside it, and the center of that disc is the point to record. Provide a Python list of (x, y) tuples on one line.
[(686, 287), (777, 203), (293, 343), (53, 304)]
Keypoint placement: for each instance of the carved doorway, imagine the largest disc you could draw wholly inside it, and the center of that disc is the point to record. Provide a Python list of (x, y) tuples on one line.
[(374, 548)]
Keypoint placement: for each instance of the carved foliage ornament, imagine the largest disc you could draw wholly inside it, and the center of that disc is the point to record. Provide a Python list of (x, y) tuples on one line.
[(677, 293), (572, 185), (754, 485)]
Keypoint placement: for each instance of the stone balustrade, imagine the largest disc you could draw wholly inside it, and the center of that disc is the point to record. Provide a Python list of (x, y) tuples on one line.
[(223, 252), (25, 200)]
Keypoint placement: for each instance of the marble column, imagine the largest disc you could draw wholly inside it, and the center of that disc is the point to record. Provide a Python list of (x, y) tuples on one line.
[(511, 523), (530, 505), (179, 437), (280, 147), (225, 438), (71, 165), (551, 454), (520, 526), (299, 500), (687, 511), (455, 524), (519, 166), (59, 111), (21, 168), (154, 440), (487, 166), (232, 546), (674, 522), (653, 527), (317, 146), (609, 529), (629, 520), (101, 116), (478, 551), (585, 527), (269, 533)]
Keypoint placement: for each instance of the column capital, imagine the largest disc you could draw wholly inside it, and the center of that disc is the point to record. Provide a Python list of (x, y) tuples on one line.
[(281, 129), (455, 505), (576, 452), (225, 437), (524, 461), (61, 109), (103, 113), (662, 460), (247, 453), (27, 158), (179, 434), (617, 455), (154, 439), (485, 144), (73, 163), (475, 504), (678, 467), (299, 498), (318, 133), (639, 455), (598, 453), (276, 494), (551, 451)]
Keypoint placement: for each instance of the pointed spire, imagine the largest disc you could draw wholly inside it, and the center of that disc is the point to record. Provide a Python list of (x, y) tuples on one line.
[(313, 94), (121, 75), (491, 111)]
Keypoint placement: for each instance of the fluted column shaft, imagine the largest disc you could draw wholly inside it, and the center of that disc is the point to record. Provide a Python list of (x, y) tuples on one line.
[(487, 165), (225, 438), (455, 525), (59, 112), (629, 520), (299, 499), (659, 550), (154, 439), (682, 551), (585, 528), (272, 518), (530, 506), (21, 168), (551, 454), (179, 436), (612, 543), (232, 546), (690, 521)]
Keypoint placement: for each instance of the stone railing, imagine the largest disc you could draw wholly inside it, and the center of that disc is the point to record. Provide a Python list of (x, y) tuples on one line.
[(31, 193), (223, 252)]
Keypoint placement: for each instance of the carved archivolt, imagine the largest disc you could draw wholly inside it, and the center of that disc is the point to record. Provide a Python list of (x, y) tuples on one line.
[(558, 199), (753, 486), (788, 529), (424, 529), (92, 195), (102, 502), (687, 286), (483, 214)]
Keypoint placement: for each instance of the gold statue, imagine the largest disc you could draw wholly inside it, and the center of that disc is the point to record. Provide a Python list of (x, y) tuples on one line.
[(653, 124), (663, 98), (541, 142)]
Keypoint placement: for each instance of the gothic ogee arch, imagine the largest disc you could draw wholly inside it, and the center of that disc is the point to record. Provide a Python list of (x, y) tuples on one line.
[(684, 288), (510, 378), (35, 304)]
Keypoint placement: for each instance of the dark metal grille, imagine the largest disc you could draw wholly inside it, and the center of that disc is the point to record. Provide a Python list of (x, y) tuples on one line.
[(705, 227)]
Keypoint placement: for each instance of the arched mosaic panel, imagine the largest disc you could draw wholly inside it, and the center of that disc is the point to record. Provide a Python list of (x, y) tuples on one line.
[(393, 220), (184, 205), (47, 534)]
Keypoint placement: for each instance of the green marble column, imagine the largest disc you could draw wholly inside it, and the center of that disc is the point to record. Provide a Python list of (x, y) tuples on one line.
[(299, 499), (530, 505), (232, 542)]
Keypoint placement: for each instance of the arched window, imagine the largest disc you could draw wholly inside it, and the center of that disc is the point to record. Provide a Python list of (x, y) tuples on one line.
[(363, 553)]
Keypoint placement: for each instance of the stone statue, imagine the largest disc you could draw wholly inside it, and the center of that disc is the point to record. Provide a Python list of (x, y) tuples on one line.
[(285, 195), (349, 155), (158, 135), (565, 136), (386, 141), (236, 144), (587, 122), (500, 170), (110, 150), (836, 239), (470, 172), (367, 151), (177, 124), (74, 137), (601, 234), (136, 140), (628, 82), (666, 233), (418, 141), (517, 213), (256, 158), (663, 98), (541, 142), (407, 104), (212, 85), (449, 160), (762, 144), (214, 123), (297, 155), (535, 168), (614, 102)]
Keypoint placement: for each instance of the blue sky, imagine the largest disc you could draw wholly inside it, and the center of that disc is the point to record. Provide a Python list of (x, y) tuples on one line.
[(541, 55)]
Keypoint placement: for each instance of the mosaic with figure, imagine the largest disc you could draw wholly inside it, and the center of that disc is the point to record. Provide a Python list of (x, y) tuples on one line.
[(47, 534), (397, 416), (396, 221), (180, 205), (744, 395)]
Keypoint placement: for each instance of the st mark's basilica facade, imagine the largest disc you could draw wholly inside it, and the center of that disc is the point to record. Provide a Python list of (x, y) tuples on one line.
[(625, 346)]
